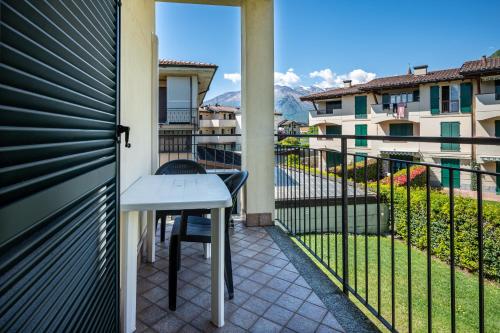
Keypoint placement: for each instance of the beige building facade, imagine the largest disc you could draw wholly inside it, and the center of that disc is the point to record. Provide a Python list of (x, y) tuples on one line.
[(220, 121), (421, 103)]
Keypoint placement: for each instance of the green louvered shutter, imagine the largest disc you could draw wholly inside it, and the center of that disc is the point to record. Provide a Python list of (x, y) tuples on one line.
[(445, 132), (360, 106), (450, 129), (361, 130), (498, 178), (497, 90), (334, 130), (435, 100), (466, 97), (333, 159), (497, 128), (445, 173)]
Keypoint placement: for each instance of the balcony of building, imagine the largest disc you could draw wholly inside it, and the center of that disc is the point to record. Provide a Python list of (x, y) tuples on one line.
[(409, 111), (217, 123), (487, 106)]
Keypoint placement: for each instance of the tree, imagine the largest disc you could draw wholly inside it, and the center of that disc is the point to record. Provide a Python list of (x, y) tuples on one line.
[(496, 54), (290, 141)]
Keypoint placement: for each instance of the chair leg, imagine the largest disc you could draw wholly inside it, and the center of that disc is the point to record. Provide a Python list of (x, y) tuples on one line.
[(228, 267), (162, 228), (179, 256), (172, 272)]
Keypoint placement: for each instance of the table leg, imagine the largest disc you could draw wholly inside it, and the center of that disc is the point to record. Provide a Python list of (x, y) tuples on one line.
[(150, 246), (218, 267), (128, 272), (207, 250)]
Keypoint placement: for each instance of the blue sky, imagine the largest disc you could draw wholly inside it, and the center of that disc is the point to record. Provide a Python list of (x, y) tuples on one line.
[(322, 42)]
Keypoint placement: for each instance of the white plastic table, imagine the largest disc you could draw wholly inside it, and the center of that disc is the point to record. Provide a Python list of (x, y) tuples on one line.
[(170, 192)]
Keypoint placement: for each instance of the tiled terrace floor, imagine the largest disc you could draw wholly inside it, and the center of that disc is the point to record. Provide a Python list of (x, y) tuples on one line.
[(270, 295)]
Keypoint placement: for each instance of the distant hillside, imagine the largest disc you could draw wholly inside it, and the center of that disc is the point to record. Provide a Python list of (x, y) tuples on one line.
[(496, 54), (286, 101)]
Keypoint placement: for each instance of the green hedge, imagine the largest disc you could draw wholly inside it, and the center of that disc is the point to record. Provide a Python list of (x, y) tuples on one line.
[(359, 168), (465, 217)]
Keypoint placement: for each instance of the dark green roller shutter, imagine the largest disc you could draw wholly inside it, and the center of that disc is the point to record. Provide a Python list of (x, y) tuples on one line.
[(333, 130), (360, 107), (59, 166), (401, 129), (498, 177), (497, 90), (466, 97), (497, 128), (435, 100), (445, 173), (333, 159)]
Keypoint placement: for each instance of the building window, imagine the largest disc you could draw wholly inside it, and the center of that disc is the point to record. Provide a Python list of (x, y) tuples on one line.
[(497, 90), (498, 177), (359, 157), (361, 130), (390, 101), (401, 129), (445, 173), (333, 130), (213, 132), (333, 105), (175, 141), (333, 159), (360, 107), (450, 129), (451, 98), (497, 128)]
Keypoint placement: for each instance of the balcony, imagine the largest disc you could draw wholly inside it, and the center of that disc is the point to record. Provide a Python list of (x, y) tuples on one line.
[(218, 123), (412, 110), (181, 116), (487, 106), (292, 276)]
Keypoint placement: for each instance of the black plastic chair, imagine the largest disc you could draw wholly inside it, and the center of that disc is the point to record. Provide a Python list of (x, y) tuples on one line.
[(176, 167), (197, 229)]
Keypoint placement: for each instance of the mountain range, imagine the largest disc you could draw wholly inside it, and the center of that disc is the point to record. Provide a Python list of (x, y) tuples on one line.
[(286, 101)]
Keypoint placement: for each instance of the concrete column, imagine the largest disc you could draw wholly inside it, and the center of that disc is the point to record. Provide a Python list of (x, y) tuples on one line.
[(257, 53)]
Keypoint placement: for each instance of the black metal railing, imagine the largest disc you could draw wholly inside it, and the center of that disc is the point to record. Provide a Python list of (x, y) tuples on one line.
[(417, 248), (212, 151)]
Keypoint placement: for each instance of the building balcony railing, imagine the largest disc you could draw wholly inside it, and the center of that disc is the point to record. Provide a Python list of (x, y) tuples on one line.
[(487, 106), (387, 112), (413, 242), (179, 116), (210, 123)]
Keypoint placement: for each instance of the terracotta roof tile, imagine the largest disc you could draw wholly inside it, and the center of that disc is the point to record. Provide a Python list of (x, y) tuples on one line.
[(167, 62), (485, 65), (333, 93), (409, 80)]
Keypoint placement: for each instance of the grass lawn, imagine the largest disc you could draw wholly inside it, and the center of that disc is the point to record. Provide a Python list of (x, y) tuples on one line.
[(467, 309)]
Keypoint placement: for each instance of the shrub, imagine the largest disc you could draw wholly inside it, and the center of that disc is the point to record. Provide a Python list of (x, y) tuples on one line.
[(417, 176), (465, 219), (359, 168), (290, 141)]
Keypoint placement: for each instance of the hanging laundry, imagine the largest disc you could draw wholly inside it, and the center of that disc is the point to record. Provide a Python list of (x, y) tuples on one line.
[(401, 110)]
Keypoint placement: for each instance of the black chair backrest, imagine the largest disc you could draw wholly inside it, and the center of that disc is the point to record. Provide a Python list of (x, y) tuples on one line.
[(181, 167), (234, 184)]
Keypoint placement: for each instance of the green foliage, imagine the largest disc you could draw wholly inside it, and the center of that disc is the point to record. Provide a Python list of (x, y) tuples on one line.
[(359, 169), (313, 130), (290, 141), (495, 54), (465, 219), (293, 160)]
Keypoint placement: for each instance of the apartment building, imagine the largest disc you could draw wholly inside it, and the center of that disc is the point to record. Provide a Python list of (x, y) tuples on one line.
[(218, 120), (182, 89), (452, 102)]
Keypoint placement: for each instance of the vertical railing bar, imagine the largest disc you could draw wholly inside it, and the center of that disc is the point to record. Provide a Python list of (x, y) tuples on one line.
[(309, 184), (315, 201), (480, 249), (378, 238), (355, 219), (328, 229), (345, 220), (452, 249), (408, 244), (321, 199), (393, 300), (429, 262), (295, 194), (366, 226), (305, 205), (335, 211)]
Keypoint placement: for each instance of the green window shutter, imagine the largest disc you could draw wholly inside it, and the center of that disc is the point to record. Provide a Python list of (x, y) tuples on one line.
[(450, 129), (333, 159), (435, 100), (498, 177), (359, 157), (466, 97), (360, 107), (401, 129), (361, 130), (497, 128), (445, 173), (497, 90), (334, 130)]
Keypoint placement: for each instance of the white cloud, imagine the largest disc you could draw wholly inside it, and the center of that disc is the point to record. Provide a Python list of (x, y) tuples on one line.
[(233, 77), (331, 79), (289, 78)]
